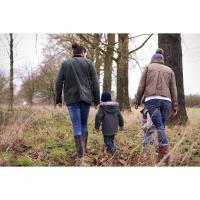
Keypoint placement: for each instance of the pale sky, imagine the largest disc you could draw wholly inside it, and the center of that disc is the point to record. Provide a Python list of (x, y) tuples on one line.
[(29, 53)]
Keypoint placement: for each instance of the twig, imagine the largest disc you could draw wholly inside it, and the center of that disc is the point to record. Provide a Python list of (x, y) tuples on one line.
[(141, 44)]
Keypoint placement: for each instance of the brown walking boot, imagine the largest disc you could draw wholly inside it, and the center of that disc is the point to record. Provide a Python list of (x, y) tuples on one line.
[(164, 155)]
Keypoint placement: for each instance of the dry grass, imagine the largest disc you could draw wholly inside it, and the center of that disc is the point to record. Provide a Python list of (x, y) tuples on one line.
[(42, 136)]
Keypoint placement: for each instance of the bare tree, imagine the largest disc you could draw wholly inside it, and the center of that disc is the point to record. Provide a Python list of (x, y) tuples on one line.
[(122, 72), (3, 82), (28, 86), (107, 49), (107, 79), (46, 82), (10, 42), (11, 90), (46, 75), (171, 44), (97, 53)]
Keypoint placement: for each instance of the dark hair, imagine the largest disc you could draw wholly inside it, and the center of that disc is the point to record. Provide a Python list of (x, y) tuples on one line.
[(160, 51), (78, 49)]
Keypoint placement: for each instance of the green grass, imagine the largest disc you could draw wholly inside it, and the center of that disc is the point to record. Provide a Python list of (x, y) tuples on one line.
[(43, 136), (24, 161)]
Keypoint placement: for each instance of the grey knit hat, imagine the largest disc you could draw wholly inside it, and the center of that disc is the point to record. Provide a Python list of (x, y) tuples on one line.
[(157, 58)]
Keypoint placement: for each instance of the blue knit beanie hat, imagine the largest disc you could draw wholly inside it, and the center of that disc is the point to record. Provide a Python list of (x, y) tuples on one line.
[(106, 96), (157, 58)]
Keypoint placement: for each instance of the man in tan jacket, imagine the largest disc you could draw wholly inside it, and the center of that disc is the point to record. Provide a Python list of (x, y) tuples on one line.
[(158, 87)]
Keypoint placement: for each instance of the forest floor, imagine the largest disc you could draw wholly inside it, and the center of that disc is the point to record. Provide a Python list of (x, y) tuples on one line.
[(42, 136)]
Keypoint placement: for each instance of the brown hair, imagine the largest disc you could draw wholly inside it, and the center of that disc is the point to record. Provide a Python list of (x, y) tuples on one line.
[(160, 51), (78, 49)]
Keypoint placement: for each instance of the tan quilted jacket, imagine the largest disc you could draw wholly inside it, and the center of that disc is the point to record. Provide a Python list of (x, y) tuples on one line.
[(157, 79)]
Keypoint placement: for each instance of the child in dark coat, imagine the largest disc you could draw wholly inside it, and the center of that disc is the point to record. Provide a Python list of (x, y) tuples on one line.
[(110, 118)]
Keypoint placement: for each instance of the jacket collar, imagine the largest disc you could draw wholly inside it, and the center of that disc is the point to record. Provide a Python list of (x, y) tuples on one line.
[(77, 55), (109, 103), (157, 62)]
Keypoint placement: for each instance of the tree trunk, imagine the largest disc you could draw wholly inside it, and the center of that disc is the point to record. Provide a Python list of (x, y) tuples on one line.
[(98, 61), (171, 44), (11, 90), (122, 73), (107, 80)]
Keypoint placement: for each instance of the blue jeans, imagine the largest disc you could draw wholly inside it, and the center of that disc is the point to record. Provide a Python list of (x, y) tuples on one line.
[(79, 113), (159, 111)]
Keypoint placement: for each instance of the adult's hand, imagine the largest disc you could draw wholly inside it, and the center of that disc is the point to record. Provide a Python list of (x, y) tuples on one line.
[(136, 106), (96, 105)]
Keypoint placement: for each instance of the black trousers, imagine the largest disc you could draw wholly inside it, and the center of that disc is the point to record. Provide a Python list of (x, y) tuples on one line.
[(109, 142)]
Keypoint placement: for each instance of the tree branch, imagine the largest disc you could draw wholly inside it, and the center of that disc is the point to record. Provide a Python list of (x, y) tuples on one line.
[(138, 36), (94, 46), (134, 50)]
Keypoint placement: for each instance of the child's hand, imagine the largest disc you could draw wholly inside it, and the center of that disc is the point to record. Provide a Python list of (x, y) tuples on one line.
[(123, 129)]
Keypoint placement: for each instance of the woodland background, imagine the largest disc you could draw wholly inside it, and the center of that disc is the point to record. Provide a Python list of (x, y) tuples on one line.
[(34, 132)]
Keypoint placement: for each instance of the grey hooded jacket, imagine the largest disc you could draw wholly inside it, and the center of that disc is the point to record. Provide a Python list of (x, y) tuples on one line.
[(109, 117), (79, 77)]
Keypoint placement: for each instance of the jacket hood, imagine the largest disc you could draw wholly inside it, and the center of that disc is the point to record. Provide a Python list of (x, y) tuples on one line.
[(110, 106)]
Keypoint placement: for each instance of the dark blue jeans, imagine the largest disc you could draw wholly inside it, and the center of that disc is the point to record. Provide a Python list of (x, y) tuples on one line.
[(159, 111), (79, 113), (109, 142)]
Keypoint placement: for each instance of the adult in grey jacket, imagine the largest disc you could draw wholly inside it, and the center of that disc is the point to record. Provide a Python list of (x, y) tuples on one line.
[(81, 90)]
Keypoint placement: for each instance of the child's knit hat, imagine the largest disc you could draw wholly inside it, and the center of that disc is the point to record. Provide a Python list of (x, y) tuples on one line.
[(106, 96)]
